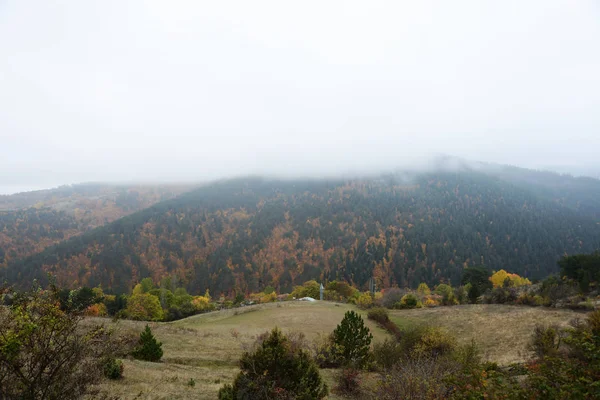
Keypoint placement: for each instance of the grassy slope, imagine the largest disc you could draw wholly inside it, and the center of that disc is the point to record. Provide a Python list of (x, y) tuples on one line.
[(502, 332), (203, 347)]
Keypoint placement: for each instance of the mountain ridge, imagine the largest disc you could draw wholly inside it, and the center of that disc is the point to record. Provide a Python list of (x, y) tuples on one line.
[(245, 233)]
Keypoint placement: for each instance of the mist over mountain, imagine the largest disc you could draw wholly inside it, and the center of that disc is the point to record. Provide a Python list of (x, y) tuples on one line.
[(337, 111), (160, 92), (402, 228), (32, 221)]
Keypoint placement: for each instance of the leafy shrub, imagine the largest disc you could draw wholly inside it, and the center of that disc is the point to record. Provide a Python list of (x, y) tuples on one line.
[(526, 299), (423, 289), (540, 301), (555, 290), (572, 372), (308, 289), (387, 353), (408, 301), (467, 355), (430, 302), (96, 310), (268, 298), (325, 352), (379, 314), (461, 295), (269, 290), (447, 294), (353, 340), (474, 292), (343, 289), (276, 370), (239, 299), (392, 296), (45, 352), (226, 392), (113, 368), (148, 349), (144, 307), (420, 378), (545, 341), (364, 300), (502, 295), (477, 280), (430, 342), (348, 381), (202, 304), (505, 279)]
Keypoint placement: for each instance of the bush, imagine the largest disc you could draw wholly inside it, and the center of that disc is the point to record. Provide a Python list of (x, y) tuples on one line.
[(268, 298), (427, 342), (353, 340), (226, 393), (501, 295), (348, 381), (387, 353), (276, 370), (144, 307), (325, 352), (430, 302), (545, 341), (408, 301), (526, 299), (447, 294), (423, 289), (461, 294), (379, 314), (364, 300), (45, 352), (148, 349), (421, 378), (113, 368), (570, 372), (392, 296), (473, 293), (342, 289), (477, 277)]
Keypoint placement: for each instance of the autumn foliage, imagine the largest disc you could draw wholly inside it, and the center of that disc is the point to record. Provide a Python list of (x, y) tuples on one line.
[(503, 278)]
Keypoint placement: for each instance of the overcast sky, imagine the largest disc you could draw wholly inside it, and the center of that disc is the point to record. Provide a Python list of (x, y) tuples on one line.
[(167, 90)]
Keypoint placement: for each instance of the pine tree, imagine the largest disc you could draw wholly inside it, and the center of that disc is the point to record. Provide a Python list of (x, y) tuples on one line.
[(276, 369), (353, 340), (148, 349)]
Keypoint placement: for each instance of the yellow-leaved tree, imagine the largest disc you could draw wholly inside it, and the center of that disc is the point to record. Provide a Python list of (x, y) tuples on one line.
[(423, 289), (503, 278)]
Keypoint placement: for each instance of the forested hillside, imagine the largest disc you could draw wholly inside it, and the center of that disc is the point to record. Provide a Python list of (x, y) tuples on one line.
[(402, 229), (32, 221), (581, 194)]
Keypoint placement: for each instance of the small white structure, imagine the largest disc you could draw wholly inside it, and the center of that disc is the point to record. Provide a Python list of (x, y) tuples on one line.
[(306, 299)]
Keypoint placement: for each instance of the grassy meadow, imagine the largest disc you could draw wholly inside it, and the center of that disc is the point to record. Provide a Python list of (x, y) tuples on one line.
[(204, 349), (502, 332), (207, 347)]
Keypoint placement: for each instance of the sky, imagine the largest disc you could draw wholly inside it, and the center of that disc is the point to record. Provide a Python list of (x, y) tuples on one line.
[(158, 91)]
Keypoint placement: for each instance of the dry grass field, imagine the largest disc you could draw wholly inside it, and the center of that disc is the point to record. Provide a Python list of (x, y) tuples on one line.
[(206, 347), (501, 331)]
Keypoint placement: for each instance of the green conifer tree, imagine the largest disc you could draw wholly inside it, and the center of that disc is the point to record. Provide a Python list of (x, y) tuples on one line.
[(352, 340), (276, 370), (148, 349)]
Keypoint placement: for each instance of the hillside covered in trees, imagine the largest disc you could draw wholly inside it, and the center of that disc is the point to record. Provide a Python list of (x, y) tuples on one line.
[(32, 221), (404, 228)]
